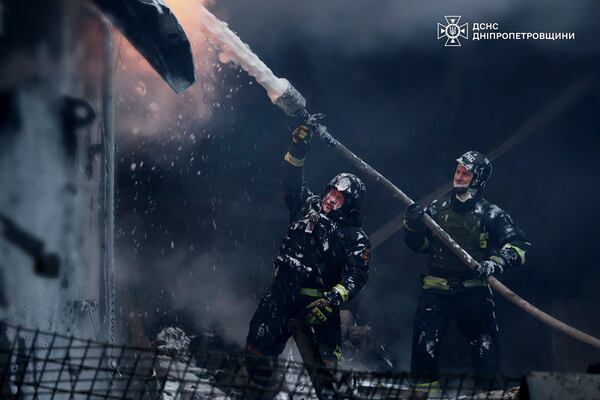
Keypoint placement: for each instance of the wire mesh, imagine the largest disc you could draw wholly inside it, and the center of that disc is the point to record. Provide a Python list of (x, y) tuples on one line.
[(45, 365)]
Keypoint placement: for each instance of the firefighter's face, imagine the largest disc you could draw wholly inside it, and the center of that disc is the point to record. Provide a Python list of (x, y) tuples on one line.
[(462, 176), (334, 199)]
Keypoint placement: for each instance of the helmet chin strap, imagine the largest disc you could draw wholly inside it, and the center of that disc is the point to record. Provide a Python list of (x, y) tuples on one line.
[(464, 193)]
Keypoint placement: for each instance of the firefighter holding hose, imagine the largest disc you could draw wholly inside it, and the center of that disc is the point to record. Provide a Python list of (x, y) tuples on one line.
[(451, 290), (323, 262)]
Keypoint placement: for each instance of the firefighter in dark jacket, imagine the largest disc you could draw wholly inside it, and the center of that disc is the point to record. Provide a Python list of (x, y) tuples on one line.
[(451, 290), (322, 263)]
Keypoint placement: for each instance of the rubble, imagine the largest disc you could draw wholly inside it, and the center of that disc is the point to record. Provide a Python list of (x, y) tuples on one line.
[(175, 375)]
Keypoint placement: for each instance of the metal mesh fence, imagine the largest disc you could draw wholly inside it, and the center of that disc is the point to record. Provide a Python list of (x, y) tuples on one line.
[(43, 365)]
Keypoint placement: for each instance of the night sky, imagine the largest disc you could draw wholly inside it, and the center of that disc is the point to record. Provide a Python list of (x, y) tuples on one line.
[(199, 210)]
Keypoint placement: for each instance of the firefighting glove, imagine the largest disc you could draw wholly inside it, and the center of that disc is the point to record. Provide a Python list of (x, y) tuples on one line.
[(301, 134), (412, 218), (320, 310), (299, 146), (493, 265)]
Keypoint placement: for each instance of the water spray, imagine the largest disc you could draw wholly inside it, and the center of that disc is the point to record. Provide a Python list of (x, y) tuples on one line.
[(283, 94)]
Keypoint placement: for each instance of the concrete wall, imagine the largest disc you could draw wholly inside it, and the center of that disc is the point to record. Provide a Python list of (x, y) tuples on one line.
[(54, 179)]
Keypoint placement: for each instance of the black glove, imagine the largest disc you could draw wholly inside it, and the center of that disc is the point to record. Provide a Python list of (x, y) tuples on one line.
[(300, 142), (412, 217), (494, 265)]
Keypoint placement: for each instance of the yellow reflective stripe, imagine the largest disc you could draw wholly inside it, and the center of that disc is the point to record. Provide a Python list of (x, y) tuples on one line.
[(311, 292), (342, 291), (520, 252), (499, 260), (296, 162), (430, 387), (483, 240), (338, 357), (433, 282), (425, 245), (474, 283)]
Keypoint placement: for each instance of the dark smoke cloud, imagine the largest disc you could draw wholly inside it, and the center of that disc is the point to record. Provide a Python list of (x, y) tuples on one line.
[(201, 289), (366, 27)]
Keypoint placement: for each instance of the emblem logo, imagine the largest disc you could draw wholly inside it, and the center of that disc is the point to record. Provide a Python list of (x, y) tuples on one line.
[(452, 31)]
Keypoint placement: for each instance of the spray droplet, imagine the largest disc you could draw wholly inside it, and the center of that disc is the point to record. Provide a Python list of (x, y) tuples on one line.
[(140, 88), (154, 107)]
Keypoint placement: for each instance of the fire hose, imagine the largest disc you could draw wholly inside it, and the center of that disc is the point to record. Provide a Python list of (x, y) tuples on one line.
[(285, 96)]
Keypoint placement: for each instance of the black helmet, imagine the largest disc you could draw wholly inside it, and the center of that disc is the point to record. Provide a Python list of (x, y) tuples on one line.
[(479, 166), (352, 187)]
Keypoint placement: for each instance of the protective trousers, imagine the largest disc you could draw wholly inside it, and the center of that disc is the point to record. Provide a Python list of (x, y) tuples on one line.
[(270, 328), (473, 311)]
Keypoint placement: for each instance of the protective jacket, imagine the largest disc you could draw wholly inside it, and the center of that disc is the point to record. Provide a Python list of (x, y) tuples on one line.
[(321, 251), (322, 255), (483, 229)]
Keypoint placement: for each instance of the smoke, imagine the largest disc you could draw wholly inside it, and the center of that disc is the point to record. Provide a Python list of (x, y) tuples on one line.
[(364, 27), (148, 107), (201, 291)]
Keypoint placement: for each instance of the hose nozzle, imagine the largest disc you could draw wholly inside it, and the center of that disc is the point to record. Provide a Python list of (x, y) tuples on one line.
[(291, 101)]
